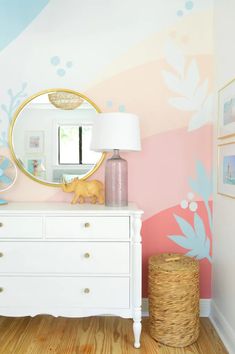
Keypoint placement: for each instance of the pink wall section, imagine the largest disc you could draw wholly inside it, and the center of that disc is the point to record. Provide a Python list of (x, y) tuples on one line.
[(159, 173)]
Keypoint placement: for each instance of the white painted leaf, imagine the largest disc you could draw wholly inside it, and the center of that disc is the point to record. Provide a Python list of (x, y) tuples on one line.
[(196, 121), (175, 57), (207, 107), (182, 103), (192, 78), (172, 81), (200, 94), (203, 116)]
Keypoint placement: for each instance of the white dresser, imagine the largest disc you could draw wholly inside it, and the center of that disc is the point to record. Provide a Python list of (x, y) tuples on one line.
[(70, 260)]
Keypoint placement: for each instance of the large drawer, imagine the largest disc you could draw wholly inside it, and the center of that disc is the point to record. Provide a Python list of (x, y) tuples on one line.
[(64, 257), (88, 227), (52, 292), (21, 227)]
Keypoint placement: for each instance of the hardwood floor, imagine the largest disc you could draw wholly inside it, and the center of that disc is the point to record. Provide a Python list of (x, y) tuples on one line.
[(94, 335)]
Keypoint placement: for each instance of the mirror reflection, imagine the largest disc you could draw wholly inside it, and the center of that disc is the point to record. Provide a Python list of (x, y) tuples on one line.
[(51, 137)]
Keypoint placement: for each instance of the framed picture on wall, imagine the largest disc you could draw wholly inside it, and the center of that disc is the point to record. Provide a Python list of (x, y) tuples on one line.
[(226, 169), (226, 114), (36, 166), (34, 141)]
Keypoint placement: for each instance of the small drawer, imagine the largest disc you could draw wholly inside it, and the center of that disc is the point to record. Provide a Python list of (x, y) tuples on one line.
[(45, 293), (21, 227), (64, 257), (88, 227)]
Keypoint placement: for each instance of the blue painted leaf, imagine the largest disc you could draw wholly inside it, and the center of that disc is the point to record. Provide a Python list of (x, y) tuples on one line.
[(207, 246), (199, 227), (17, 103), (181, 241), (203, 183), (191, 253), (4, 108), (185, 227), (193, 239)]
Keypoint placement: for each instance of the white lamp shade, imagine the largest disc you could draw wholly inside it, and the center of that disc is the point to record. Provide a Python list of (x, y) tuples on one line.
[(116, 130)]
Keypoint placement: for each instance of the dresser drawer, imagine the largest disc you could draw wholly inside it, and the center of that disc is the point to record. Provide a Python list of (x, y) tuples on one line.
[(51, 292), (64, 257), (21, 227), (88, 227)]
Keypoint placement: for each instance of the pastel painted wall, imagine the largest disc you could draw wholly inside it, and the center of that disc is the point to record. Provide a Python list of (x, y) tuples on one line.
[(223, 309), (152, 58)]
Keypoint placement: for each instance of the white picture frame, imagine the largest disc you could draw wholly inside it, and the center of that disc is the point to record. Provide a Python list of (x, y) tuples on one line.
[(34, 142)]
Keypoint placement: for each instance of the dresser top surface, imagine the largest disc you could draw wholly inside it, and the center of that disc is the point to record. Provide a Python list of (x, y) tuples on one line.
[(60, 207)]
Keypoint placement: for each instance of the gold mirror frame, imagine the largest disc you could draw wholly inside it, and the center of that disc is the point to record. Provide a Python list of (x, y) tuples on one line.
[(16, 115)]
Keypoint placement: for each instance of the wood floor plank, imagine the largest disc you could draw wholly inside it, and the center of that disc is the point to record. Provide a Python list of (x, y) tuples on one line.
[(94, 335)]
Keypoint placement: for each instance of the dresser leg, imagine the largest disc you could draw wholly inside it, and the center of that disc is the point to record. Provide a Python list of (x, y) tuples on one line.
[(137, 327)]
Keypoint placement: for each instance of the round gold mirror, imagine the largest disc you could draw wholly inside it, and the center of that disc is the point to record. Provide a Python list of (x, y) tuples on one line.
[(50, 137)]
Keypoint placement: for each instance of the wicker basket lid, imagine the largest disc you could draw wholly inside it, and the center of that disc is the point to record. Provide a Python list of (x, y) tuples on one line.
[(171, 262)]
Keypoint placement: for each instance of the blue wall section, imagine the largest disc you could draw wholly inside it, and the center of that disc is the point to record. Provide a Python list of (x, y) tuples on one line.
[(15, 16)]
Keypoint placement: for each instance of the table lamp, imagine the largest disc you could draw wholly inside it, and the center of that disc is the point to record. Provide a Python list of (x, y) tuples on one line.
[(114, 132)]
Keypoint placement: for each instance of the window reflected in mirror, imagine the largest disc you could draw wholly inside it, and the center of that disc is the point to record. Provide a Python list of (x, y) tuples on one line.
[(74, 145)]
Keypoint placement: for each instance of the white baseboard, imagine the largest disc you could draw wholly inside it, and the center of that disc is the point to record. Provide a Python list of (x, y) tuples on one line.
[(223, 328), (205, 307)]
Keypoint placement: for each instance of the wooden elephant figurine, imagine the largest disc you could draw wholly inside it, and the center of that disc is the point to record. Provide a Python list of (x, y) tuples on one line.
[(94, 190)]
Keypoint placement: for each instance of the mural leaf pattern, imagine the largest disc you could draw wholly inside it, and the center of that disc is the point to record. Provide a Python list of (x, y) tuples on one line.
[(197, 119), (9, 109), (185, 81), (203, 186), (194, 238)]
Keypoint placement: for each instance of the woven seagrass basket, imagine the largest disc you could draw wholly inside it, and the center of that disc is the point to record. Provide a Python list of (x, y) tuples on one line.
[(174, 299), (65, 100)]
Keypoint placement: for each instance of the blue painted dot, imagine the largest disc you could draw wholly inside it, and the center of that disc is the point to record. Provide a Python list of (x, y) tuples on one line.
[(121, 108), (109, 104), (69, 64), (189, 5), (61, 72), (180, 13), (55, 60)]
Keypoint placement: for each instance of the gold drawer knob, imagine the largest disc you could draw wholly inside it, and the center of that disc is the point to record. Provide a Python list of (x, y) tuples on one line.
[(87, 224), (1, 224), (86, 290), (1, 290), (87, 255), (1, 254)]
